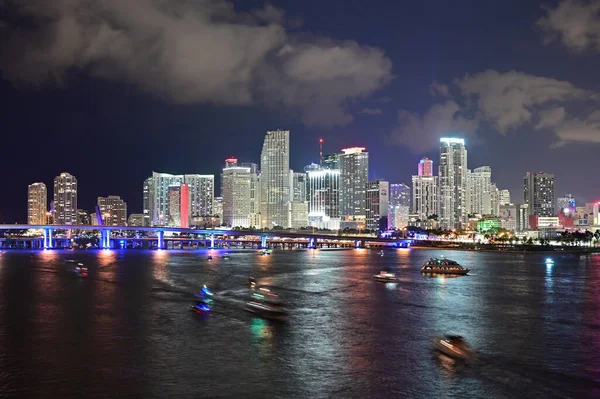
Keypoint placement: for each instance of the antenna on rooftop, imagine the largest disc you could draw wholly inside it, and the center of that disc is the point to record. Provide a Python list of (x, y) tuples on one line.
[(321, 152)]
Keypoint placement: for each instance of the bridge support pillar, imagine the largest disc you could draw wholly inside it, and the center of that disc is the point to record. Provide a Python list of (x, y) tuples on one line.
[(161, 239), (312, 243), (48, 242), (263, 242), (212, 241), (105, 239)]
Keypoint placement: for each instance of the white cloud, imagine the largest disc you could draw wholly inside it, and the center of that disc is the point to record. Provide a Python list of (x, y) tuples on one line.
[(551, 118), (576, 24), (371, 111), (201, 51), (438, 89)]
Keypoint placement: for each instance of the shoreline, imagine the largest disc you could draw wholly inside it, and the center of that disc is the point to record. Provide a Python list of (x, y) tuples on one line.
[(578, 251)]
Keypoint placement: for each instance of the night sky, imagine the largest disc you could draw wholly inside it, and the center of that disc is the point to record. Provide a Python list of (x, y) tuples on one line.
[(110, 91)]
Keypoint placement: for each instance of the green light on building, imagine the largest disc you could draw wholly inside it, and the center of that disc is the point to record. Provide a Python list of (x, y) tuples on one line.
[(487, 225)]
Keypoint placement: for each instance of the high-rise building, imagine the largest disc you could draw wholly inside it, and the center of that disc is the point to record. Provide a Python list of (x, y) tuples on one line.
[(135, 219), (83, 218), (159, 197), (377, 207), (237, 195), (566, 204), (148, 190), (399, 205), (480, 192), (178, 205), (297, 214), (65, 199), (354, 169), (425, 196), (255, 193), (452, 183), (516, 214), (275, 179), (113, 210), (323, 191), (297, 186), (202, 193), (425, 167), (538, 192), (503, 197), (331, 161), (37, 202), (218, 208)]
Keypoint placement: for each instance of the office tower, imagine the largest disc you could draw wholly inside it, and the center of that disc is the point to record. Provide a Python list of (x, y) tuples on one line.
[(297, 214), (354, 169), (516, 215), (331, 161), (218, 208), (566, 204), (399, 206), (178, 205), (113, 210), (135, 219), (237, 195), (503, 197), (202, 193), (323, 191), (377, 207), (297, 186), (425, 167), (65, 199), (452, 183), (425, 196), (255, 193), (159, 197), (538, 192), (37, 200), (148, 190), (275, 179), (83, 218), (480, 197)]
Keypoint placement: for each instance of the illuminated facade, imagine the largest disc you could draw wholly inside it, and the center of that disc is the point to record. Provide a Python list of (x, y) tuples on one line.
[(503, 197), (538, 192), (202, 193), (135, 219), (399, 206), (331, 161), (113, 210), (65, 199), (83, 218), (148, 190), (179, 205), (218, 208), (323, 190), (275, 179), (452, 193), (297, 214), (377, 207), (297, 186), (354, 169), (237, 204), (425, 196), (37, 203), (566, 204), (425, 167), (481, 194)]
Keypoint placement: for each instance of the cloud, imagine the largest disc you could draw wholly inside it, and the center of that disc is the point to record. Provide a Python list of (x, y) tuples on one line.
[(501, 102), (371, 111), (576, 24), (437, 89), (202, 51)]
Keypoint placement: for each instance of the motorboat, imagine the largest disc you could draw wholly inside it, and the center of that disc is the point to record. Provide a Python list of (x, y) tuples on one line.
[(204, 294), (251, 282), (266, 252), (443, 266), (268, 306), (453, 346), (200, 307), (385, 277), (81, 270), (209, 257)]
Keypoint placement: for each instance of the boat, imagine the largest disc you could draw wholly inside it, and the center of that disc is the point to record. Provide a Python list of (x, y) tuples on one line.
[(251, 282), (453, 346), (385, 277), (200, 307), (266, 305), (80, 270), (266, 252), (209, 257), (443, 266)]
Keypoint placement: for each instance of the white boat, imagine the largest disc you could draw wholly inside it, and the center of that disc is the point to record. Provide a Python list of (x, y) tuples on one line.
[(267, 306), (453, 346), (385, 277), (443, 266)]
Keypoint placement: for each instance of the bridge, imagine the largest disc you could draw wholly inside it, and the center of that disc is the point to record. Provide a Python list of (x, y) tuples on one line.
[(48, 239)]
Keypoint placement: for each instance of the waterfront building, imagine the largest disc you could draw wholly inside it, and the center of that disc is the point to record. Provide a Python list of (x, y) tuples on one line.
[(377, 206), (354, 174), (425, 196), (399, 208), (237, 204), (425, 167), (515, 216), (452, 183), (566, 204), (297, 186), (538, 192), (323, 192), (255, 193), (148, 190), (503, 197), (135, 219), (202, 193), (274, 178), (113, 210), (65, 199), (297, 214), (178, 205), (37, 202), (218, 208), (481, 191), (83, 218)]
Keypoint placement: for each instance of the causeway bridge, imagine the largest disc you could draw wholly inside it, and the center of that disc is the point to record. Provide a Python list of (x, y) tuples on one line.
[(115, 237)]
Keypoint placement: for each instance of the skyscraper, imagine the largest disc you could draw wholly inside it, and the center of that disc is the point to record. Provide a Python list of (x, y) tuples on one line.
[(178, 205), (148, 190), (237, 194), (202, 193), (425, 196), (274, 178), (323, 190), (297, 186), (113, 210), (503, 197), (37, 201), (480, 191), (331, 161), (159, 197), (377, 206), (65, 199), (538, 192), (425, 167), (399, 205), (453, 183), (566, 204), (255, 193), (354, 170)]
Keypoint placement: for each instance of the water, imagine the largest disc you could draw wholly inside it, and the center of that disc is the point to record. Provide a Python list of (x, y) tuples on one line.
[(126, 330)]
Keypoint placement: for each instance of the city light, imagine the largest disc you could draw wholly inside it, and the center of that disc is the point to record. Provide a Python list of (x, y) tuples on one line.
[(452, 140)]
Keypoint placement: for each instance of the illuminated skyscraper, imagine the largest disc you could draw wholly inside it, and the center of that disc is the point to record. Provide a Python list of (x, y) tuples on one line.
[(179, 205), (135, 219), (331, 161), (65, 199), (453, 183), (113, 210), (425, 167), (425, 196), (275, 178), (237, 204), (354, 169), (538, 192), (202, 193), (159, 197), (37, 201), (399, 205), (323, 191), (255, 193), (297, 186), (481, 191), (566, 204), (148, 189), (503, 197), (377, 206)]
